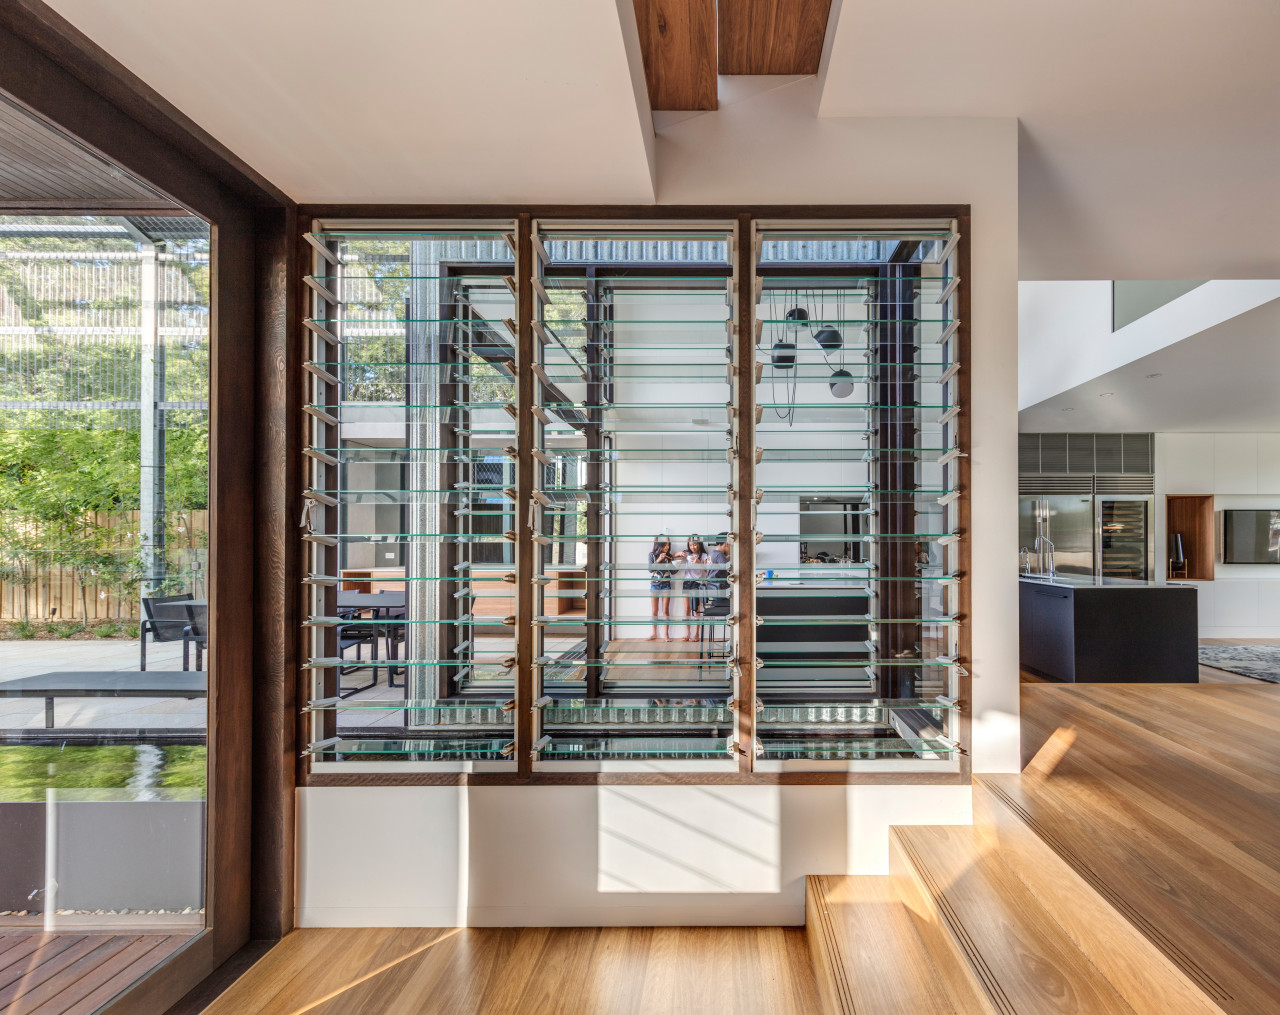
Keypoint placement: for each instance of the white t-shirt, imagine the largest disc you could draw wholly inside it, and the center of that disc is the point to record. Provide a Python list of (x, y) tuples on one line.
[(695, 567)]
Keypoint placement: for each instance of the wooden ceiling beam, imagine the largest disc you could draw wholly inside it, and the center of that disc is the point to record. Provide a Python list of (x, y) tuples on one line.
[(772, 36), (678, 41)]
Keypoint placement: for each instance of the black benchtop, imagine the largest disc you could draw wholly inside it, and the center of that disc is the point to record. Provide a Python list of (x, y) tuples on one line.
[(1089, 581)]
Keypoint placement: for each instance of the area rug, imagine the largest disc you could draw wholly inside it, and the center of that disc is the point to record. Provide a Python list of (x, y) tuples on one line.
[(1259, 661)]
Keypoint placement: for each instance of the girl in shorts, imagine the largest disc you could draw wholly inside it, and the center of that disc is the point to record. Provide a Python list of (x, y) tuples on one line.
[(661, 565)]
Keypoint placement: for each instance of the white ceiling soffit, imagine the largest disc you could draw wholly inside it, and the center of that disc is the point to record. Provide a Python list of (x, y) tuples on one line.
[(1150, 140), (415, 101), (1219, 381)]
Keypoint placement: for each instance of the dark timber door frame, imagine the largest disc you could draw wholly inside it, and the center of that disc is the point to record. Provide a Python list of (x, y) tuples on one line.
[(61, 77)]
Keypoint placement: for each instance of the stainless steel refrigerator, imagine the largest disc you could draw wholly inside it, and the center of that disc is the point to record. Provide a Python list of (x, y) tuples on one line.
[(1107, 536)]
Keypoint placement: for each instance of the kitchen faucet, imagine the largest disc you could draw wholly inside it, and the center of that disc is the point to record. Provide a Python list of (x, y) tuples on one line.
[(1043, 544)]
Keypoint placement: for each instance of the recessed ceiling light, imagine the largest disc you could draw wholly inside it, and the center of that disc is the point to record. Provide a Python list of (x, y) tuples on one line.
[(1105, 394), (1149, 376), (1069, 409)]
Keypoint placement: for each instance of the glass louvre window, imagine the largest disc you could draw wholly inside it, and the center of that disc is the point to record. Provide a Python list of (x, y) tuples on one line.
[(855, 560), (632, 423), (410, 509), (646, 498)]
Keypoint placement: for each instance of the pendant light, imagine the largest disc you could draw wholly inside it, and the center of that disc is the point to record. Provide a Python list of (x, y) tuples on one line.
[(841, 383), (829, 340)]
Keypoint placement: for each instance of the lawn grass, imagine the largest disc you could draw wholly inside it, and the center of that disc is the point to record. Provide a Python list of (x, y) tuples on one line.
[(26, 772)]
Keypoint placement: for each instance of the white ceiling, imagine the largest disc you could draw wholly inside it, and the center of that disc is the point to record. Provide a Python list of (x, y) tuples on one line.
[(1150, 140), (400, 100), (1224, 379)]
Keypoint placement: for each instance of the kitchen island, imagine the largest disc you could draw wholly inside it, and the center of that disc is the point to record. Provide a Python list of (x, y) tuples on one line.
[(1083, 629), (814, 637)]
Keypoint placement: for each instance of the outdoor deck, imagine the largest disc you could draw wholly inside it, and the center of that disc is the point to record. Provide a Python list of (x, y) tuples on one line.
[(74, 973)]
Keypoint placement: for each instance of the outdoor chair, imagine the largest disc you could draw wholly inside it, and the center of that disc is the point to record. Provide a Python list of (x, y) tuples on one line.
[(167, 620), (196, 633), (357, 636)]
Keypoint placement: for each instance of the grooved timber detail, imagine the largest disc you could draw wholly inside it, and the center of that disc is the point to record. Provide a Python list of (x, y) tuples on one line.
[(975, 913), (1148, 979), (1166, 805), (867, 956)]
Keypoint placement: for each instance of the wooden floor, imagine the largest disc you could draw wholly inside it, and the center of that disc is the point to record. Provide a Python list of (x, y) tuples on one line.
[(1132, 869), (1166, 798), (530, 971), (73, 974)]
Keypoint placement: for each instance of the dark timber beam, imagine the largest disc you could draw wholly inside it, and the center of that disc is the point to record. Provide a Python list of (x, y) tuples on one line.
[(772, 36), (678, 43)]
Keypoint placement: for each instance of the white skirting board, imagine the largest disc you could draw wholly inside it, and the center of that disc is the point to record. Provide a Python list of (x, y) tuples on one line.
[(407, 856)]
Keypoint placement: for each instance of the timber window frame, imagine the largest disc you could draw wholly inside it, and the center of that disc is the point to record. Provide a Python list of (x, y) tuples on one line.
[(742, 223)]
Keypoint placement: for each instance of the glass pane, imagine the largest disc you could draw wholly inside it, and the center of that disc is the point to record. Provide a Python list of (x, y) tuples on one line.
[(104, 551), (855, 571), (416, 478), (633, 590)]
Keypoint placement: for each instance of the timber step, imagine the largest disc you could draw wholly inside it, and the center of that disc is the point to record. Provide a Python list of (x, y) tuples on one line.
[(984, 920), (866, 954), (1127, 949), (986, 932)]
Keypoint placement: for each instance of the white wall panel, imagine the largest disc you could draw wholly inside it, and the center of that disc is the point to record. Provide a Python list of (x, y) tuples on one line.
[(1269, 604), (593, 856), (1269, 463), (1235, 603), (382, 856), (1235, 463), (1188, 462)]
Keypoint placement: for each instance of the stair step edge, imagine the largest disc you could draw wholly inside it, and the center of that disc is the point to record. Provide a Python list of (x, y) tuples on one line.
[(1128, 949)]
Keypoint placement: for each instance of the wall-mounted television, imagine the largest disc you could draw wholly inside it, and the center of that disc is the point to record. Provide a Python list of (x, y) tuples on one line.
[(1251, 537)]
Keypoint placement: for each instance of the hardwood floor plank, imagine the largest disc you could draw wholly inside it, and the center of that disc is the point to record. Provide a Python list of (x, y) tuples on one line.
[(1167, 803), (1029, 965), (1149, 980), (347, 966), (1144, 811), (803, 993), (396, 976), (12, 939), (1183, 719), (515, 971), (1196, 779)]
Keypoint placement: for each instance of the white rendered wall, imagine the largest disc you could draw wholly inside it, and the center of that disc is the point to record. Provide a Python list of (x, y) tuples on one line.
[(1241, 470), (592, 856), (533, 855), (1065, 337)]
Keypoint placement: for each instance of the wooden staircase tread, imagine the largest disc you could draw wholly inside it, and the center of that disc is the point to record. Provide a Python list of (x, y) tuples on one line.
[(870, 959), (1207, 902), (1149, 978), (1025, 962)]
